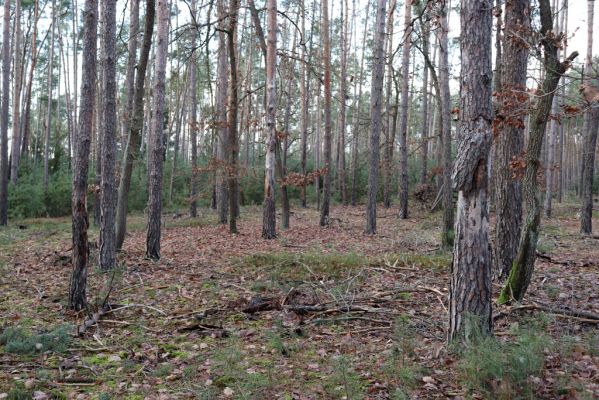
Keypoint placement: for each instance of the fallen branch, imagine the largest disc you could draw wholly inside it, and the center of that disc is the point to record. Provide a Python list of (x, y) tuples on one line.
[(579, 315)]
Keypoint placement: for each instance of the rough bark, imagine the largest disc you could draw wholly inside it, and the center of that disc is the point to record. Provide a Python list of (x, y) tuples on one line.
[(403, 119), (4, 119), (81, 142), (304, 104), (131, 152), (222, 190), (16, 109), (26, 115), (523, 264), (269, 216), (509, 138), (590, 135), (356, 116), (425, 107), (343, 101), (49, 106), (326, 193), (447, 233), (193, 121), (470, 284), (232, 115), (375, 114), (156, 133), (388, 150), (108, 183)]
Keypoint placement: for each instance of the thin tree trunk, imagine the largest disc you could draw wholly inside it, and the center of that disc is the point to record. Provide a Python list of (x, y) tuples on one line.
[(16, 109), (81, 142), (193, 121), (130, 74), (378, 73), (26, 115), (590, 136), (132, 149), (49, 109), (326, 200), (523, 264), (447, 234), (304, 104), (388, 114), (356, 116), (343, 105), (470, 284), (157, 135), (425, 112), (221, 111), (108, 183), (269, 213), (232, 116), (4, 119), (403, 119)]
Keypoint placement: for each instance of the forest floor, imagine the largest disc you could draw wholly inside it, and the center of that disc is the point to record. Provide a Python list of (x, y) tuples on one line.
[(330, 313)]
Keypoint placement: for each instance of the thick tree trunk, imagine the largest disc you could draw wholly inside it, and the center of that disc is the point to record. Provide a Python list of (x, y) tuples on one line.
[(378, 72), (403, 119), (4, 118), (509, 138), (470, 284), (156, 133), (326, 194), (109, 190), (81, 142), (269, 215), (134, 141), (523, 264)]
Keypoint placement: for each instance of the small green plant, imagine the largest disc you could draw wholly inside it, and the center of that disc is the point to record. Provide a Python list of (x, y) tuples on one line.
[(501, 369), (163, 370), (18, 392), (552, 292), (344, 381), (20, 341)]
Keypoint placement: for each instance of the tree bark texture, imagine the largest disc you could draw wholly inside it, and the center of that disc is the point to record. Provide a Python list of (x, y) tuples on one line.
[(4, 119), (326, 193)]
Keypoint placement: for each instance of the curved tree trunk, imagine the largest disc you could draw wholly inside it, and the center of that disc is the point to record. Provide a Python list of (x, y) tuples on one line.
[(470, 284), (134, 141), (523, 265)]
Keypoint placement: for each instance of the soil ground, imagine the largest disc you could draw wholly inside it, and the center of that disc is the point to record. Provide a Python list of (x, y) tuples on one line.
[(335, 313)]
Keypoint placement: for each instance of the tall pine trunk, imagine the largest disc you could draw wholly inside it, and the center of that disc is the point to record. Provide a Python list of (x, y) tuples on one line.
[(4, 117), (108, 183), (232, 115), (81, 145), (509, 138), (378, 72), (16, 109), (523, 264), (269, 216), (156, 134), (403, 119), (131, 152), (193, 121), (470, 284), (326, 194)]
